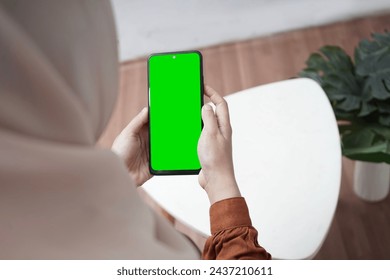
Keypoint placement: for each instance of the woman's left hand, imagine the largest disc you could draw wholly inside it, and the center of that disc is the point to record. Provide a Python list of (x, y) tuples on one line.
[(132, 145)]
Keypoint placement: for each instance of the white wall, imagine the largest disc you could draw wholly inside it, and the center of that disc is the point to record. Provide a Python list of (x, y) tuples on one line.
[(147, 26)]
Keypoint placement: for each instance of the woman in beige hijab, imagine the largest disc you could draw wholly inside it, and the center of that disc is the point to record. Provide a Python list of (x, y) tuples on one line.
[(60, 196)]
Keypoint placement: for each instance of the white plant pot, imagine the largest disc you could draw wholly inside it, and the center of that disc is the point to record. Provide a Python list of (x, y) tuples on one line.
[(371, 180)]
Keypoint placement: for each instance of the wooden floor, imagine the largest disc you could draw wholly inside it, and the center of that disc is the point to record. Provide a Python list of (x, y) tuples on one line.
[(360, 230)]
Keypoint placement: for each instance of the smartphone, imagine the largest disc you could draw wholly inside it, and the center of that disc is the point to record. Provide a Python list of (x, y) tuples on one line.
[(175, 82)]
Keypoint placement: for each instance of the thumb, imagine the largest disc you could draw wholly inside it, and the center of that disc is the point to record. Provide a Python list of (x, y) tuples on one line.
[(209, 119), (138, 122)]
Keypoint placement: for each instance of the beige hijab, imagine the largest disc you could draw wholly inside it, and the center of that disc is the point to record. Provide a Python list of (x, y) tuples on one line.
[(60, 197)]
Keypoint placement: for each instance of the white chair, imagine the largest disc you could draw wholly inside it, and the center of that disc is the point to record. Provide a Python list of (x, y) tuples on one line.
[(287, 159)]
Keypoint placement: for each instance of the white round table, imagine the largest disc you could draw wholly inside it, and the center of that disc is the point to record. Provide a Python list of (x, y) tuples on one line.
[(287, 159)]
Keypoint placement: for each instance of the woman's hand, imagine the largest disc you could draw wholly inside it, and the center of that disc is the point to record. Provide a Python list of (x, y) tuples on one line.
[(215, 150), (132, 144)]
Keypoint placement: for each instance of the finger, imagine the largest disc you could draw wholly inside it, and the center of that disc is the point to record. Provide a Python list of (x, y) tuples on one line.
[(138, 122), (221, 111), (209, 119)]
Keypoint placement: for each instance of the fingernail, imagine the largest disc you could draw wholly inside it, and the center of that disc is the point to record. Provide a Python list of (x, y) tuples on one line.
[(207, 107), (144, 110)]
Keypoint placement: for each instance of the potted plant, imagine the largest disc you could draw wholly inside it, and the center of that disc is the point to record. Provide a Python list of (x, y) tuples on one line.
[(359, 92)]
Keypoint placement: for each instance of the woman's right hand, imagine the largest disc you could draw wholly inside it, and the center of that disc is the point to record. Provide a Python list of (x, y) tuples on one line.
[(215, 150)]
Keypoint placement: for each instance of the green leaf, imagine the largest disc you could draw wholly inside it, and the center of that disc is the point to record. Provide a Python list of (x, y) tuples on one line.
[(386, 82), (337, 58), (358, 138), (311, 74), (364, 145), (384, 107), (359, 93), (342, 115), (377, 87), (373, 63), (334, 93), (378, 153), (366, 109), (385, 120), (369, 51), (349, 104), (382, 38), (381, 131), (367, 92), (316, 61)]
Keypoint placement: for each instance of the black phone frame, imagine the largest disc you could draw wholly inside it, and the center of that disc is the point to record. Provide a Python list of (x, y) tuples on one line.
[(174, 172)]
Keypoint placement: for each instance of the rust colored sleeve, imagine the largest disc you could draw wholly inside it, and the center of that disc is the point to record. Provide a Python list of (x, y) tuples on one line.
[(233, 236)]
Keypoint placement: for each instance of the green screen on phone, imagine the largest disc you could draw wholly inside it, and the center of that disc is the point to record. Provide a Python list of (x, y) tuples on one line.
[(175, 101)]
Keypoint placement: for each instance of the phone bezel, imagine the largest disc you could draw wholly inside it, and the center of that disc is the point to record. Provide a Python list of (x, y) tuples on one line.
[(173, 172)]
